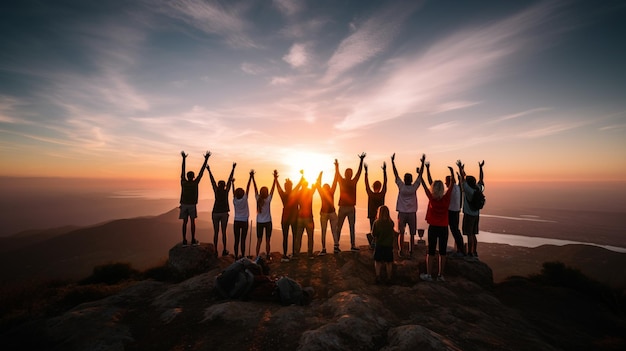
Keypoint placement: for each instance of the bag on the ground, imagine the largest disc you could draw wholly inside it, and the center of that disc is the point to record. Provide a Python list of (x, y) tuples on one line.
[(477, 202), (236, 280), (290, 292)]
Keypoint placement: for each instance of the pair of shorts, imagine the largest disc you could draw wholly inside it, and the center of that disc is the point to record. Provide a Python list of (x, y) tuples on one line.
[(187, 210), (470, 224)]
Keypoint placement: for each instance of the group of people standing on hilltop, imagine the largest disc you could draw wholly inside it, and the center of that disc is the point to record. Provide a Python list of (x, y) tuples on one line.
[(445, 203)]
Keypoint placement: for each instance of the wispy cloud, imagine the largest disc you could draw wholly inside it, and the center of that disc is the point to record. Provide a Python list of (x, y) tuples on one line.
[(520, 114), (214, 18), (369, 39), (548, 130), (450, 68)]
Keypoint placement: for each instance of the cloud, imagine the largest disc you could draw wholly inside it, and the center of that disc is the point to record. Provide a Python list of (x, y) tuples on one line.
[(297, 56), (214, 18), (251, 68), (520, 114), (443, 126), (548, 130), (369, 39), (424, 82), (289, 7)]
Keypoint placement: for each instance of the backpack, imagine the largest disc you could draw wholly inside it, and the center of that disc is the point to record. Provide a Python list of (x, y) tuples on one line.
[(477, 202), (290, 292), (236, 280)]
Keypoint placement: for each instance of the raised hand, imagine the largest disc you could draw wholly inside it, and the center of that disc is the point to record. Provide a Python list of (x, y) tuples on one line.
[(207, 154), (275, 174), (362, 156), (423, 158), (183, 154), (393, 157), (481, 163), (365, 167), (427, 164), (234, 165), (252, 173), (384, 166)]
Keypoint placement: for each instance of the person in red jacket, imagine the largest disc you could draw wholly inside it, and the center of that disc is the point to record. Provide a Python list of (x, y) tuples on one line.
[(437, 218)]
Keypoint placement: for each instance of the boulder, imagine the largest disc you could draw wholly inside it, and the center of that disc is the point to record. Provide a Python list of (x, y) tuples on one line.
[(193, 259)]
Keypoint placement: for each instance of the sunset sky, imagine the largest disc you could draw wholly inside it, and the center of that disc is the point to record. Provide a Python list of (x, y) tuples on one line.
[(117, 89)]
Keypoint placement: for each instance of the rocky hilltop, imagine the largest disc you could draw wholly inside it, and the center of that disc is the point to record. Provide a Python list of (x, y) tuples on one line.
[(348, 311)]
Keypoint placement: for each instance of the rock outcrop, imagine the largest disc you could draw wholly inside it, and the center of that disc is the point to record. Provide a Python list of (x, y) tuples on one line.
[(349, 311)]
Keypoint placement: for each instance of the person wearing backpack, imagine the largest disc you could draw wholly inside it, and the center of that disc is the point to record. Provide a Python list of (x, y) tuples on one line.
[(473, 202)]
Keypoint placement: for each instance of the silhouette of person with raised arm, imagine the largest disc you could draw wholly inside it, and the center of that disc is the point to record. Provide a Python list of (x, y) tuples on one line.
[(347, 202), (471, 216), (189, 197), (437, 218), (220, 207), (384, 234), (242, 214), (327, 210), (406, 204), (289, 218), (264, 214), (454, 211), (305, 217), (376, 194)]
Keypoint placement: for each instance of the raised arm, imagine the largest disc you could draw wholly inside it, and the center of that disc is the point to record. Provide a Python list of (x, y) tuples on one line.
[(393, 165), (461, 171), (481, 180), (333, 187), (275, 174), (430, 179), (206, 160), (182, 172), (426, 188), (249, 181), (318, 182), (213, 183), (256, 190), (230, 177), (384, 189), (420, 170), (367, 180), (358, 173), (337, 174)]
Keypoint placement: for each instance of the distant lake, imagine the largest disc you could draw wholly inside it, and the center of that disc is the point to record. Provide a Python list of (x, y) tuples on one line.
[(527, 241)]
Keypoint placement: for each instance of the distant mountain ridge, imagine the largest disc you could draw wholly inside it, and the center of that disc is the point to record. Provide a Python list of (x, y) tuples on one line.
[(71, 252)]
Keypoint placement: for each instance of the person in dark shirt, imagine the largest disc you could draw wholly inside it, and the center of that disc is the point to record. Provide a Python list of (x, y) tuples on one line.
[(384, 235), (375, 194), (347, 201), (220, 207), (189, 197)]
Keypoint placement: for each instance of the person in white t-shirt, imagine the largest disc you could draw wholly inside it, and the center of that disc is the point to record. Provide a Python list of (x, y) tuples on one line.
[(406, 205)]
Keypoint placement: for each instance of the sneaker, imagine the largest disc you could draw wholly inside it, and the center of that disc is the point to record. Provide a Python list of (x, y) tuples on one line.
[(322, 253), (336, 250), (225, 253), (426, 277), (284, 259), (184, 242), (194, 242), (355, 249), (441, 278)]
